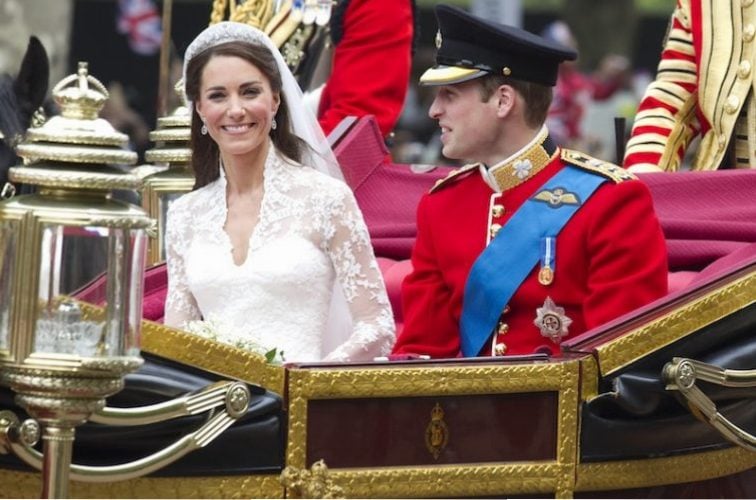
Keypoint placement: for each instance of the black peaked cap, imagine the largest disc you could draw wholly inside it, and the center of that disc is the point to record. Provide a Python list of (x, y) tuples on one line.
[(470, 47)]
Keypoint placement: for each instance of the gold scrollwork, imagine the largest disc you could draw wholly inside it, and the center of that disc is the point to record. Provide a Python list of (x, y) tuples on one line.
[(452, 481), (174, 121), (32, 152), (168, 155), (380, 382), (83, 180), (57, 404), (614, 355), (677, 469), (76, 137), (28, 485), (171, 134), (307, 384), (313, 483), (68, 384), (212, 356), (588, 378), (432, 380)]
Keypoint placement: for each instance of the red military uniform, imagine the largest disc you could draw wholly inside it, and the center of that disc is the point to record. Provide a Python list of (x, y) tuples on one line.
[(610, 258), (371, 63)]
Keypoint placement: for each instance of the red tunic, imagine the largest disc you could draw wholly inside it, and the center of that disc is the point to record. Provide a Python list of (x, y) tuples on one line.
[(610, 258), (371, 64)]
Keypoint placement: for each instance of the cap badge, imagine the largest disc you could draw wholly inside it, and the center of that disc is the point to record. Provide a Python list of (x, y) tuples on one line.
[(552, 322), (506, 71), (557, 197), (438, 39)]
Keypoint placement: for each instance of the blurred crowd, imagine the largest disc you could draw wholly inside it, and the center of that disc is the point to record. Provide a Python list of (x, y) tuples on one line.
[(586, 100)]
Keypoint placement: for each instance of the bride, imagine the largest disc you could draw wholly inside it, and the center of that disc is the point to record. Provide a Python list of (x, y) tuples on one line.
[(271, 243)]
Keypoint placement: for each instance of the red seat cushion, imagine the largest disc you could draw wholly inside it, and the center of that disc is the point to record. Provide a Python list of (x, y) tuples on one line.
[(155, 291), (679, 280), (394, 272)]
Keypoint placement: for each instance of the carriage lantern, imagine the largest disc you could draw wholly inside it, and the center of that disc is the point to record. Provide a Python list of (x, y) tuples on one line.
[(171, 176), (59, 360)]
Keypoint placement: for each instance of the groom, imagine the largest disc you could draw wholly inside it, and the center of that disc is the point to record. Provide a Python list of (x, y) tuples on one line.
[(530, 244)]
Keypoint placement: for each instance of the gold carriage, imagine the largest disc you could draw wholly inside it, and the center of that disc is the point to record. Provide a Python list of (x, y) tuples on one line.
[(659, 402)]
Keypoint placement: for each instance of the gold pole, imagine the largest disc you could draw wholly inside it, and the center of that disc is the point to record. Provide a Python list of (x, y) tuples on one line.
[(165, 59)]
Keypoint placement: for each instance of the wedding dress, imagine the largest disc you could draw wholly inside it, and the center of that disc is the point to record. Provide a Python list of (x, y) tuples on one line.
[(310, 232)]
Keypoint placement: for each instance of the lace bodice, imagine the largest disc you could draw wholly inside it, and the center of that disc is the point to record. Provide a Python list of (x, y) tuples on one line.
[(310, 233)]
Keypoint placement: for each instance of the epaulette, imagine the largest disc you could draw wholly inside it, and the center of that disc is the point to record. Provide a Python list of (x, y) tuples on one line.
[(608, 170), (454, 174)]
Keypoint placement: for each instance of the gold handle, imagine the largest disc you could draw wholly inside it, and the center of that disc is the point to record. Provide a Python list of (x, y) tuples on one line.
[(234, 397), (681, 375)]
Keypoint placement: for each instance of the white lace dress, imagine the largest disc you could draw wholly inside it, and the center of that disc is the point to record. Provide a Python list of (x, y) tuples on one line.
[(310, 232)]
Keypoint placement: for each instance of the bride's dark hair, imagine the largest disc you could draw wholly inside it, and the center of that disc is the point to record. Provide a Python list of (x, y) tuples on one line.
[(205, 153)]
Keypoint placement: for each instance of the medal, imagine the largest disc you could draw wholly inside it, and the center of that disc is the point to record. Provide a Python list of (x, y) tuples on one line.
[(548, 253), (545, 276)]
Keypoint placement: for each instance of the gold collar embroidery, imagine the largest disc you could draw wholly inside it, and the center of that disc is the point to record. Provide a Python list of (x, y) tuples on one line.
[(523, 165)]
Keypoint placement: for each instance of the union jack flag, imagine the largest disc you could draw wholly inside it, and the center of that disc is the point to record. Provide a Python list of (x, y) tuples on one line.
[(140, 21)]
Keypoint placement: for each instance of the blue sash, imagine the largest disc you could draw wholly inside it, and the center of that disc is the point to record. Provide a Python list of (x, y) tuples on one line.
[(501, 268)]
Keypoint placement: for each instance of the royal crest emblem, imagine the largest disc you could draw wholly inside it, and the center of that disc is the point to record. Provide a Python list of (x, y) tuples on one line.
[(437, 433)]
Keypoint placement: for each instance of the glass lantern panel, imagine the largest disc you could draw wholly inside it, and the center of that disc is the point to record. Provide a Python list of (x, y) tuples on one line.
[(68, 256), (135, 290), (125, 279), (8, 232), (165, 201)]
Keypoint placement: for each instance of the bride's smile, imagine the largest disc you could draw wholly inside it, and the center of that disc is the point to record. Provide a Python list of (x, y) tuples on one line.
[(237, 105)]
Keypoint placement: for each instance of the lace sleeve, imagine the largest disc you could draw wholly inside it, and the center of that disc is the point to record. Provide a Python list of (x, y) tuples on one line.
[(348, 245), (180, 306)]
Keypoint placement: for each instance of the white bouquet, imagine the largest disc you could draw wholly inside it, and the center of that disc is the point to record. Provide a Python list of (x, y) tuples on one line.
[(219, 331)]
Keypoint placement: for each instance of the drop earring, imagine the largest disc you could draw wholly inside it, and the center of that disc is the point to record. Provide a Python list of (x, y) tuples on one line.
[(203, 129), (273, 124)]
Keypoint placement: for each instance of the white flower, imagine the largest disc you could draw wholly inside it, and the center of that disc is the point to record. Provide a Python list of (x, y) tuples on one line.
[(219, 331), (522, 168)]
